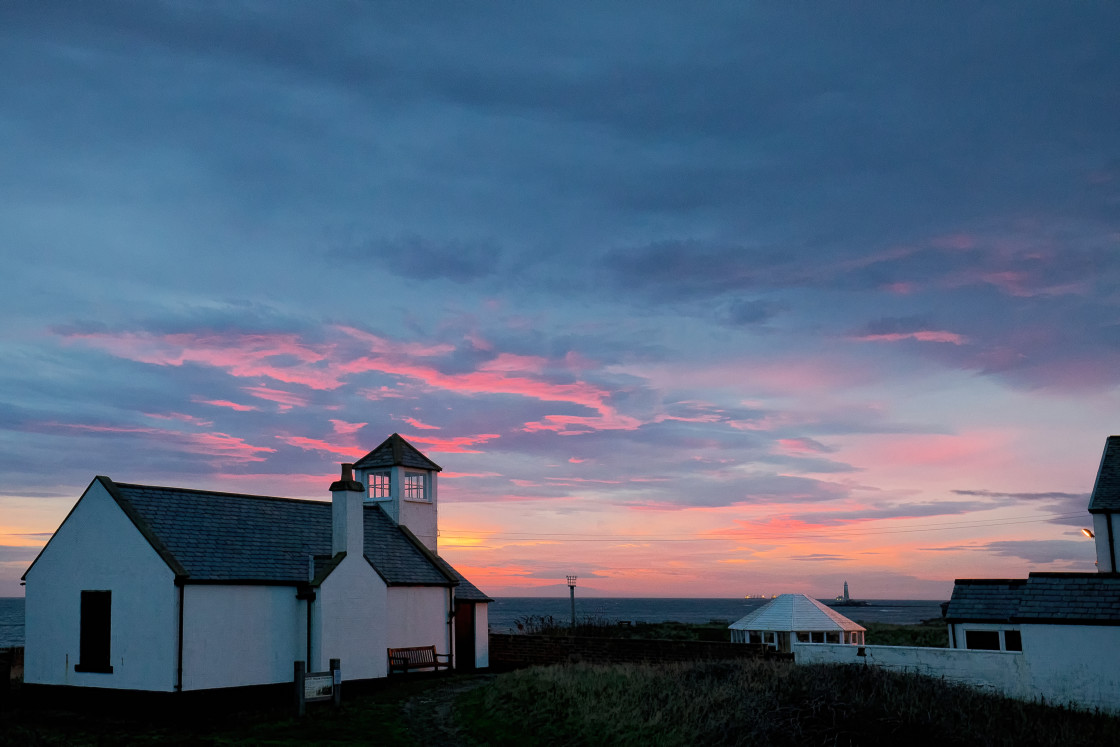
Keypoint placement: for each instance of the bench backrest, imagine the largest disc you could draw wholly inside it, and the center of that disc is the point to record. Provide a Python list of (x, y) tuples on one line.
[(415, 655)]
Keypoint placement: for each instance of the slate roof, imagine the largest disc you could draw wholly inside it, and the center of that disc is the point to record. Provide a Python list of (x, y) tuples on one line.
[(1106, 490), (395, 451), (465, 590), (795, 612), (992, 599), (1067, 598), (225, 537)]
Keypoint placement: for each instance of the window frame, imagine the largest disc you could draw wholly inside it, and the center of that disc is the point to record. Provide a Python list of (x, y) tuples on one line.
[(409, 491), (379, 485), (972, 635)]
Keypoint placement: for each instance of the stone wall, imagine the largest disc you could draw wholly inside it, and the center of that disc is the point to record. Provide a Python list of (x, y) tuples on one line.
[(511, 651)]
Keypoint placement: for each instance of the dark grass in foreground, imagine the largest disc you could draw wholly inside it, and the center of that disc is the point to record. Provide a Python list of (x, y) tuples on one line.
[(370, 718), (759, 703)]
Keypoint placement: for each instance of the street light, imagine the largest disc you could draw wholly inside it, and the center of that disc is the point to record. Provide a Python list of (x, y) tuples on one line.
[(572, 589), (1088, 533)]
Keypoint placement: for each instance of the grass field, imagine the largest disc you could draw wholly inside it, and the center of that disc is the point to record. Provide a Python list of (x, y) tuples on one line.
[(760, 703), (712, 703)]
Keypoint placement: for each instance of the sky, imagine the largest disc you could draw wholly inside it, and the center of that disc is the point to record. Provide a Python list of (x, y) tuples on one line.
[(687, 300)]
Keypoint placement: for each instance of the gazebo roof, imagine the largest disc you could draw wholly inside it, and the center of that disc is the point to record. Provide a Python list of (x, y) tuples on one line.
[(795, 613)]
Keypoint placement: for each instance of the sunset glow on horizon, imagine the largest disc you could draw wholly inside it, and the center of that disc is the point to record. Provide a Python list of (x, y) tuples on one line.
[(693, 302)]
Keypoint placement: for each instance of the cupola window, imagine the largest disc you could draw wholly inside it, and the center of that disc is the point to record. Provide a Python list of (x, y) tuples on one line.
[(379, 486), (415, 486)]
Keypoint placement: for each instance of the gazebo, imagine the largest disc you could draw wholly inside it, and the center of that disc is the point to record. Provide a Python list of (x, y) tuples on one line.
[(795, 617)]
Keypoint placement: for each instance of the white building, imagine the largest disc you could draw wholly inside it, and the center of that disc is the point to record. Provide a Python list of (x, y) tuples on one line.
[(795, 618), (171, 589), (1054, 636)]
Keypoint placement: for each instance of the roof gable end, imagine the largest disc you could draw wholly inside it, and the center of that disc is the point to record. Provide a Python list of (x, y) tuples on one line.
[(393, 452), (1106, 489)]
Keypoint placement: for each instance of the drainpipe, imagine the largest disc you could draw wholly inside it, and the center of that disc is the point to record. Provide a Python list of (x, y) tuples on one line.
[(450, 626), (179, 664), (1111, 544), (310, 599)]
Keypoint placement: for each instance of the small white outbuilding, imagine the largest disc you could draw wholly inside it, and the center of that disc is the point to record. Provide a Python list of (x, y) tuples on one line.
[(790, 617)]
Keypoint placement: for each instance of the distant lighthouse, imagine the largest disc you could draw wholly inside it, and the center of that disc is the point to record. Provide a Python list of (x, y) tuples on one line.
[(846, 597)]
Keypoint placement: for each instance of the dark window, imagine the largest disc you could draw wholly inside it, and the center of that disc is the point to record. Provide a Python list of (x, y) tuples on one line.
[(93, 652), (983, 640), (1013, 640)]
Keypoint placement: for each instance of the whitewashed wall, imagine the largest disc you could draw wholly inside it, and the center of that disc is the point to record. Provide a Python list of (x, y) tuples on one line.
[(240, 635), (996, 671), (1077, 665), (419, 617), (482, 635), (351, 620), (99, 548), (1100, 530), (421, 517)]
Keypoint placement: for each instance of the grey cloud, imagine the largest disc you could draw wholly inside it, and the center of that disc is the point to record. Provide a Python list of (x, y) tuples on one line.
[(1044, 551), (422, 258), (15, 553), (899, 511)]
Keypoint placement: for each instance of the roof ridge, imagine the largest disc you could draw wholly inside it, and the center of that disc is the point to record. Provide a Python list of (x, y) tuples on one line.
[(223, 493)]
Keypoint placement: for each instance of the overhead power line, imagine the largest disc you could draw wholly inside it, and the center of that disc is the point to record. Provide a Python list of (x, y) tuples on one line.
[(840, 531)]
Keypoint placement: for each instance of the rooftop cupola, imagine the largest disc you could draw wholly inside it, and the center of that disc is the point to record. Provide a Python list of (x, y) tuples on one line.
[(403, 482)]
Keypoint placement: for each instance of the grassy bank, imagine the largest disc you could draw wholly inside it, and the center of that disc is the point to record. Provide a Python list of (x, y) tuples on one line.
[(759, 703), (931, 633)]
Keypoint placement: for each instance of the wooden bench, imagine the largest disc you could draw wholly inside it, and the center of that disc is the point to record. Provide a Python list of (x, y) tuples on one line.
[(405, 660)]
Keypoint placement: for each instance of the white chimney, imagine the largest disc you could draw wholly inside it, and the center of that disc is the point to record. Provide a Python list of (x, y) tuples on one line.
[(347, 526)]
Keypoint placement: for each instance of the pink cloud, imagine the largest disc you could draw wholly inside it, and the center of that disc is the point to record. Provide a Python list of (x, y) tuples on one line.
[(900, 288), (224, 403), (509, 362), (240, 354), (417, 424), (382, 393), (456, 445), (921, 336), (573, 460), (286, 400), (223, 444), (454, 475), (388, 347), (802, 446), (191, 419), (314, 444), (342, 428), (212, 444)]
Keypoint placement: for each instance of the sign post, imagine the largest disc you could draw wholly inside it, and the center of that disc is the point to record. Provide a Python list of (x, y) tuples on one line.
[(314, 687)]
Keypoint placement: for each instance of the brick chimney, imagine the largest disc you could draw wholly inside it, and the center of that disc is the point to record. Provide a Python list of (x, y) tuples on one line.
[(347, 526)]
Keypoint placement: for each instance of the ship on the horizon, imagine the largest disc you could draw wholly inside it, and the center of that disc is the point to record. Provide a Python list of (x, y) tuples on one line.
[(846, 601)]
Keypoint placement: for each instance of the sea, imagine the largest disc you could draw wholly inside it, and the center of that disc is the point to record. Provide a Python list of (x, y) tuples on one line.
[(506, 611)]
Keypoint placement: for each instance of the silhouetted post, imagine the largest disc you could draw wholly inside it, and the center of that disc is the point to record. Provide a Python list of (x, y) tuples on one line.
[(336, 678), (572, 589), (301, 704)]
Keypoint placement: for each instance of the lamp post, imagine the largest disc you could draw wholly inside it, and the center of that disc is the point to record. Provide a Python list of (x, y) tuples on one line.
[(572, 589)]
